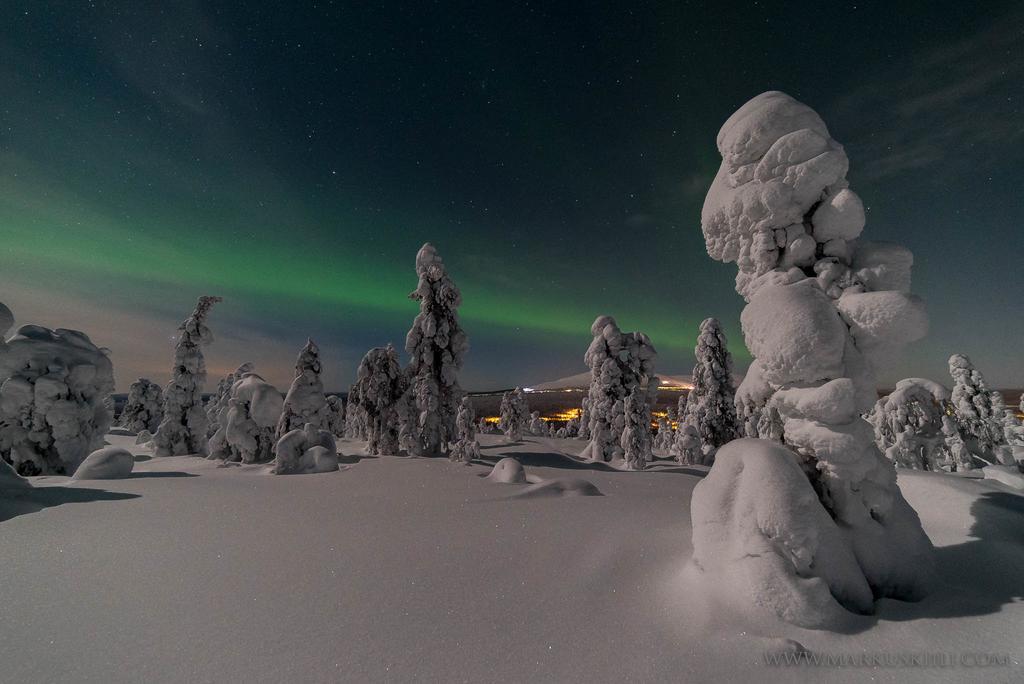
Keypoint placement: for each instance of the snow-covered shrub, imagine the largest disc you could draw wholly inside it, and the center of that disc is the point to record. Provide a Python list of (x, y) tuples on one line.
[(972, 403), (663, 440), (618, 362), (583, 428), (217, 404), (52, 386), (335, 415), (379, 388), (437, 346), (822, 308), (913, 426), (183, 428), (467, 448), (248, 431), (687, 447), (537, 425), (306, 450), (514, 412), (305, 401), (636, 435), (144, 408), (711, 404), (561, 433)]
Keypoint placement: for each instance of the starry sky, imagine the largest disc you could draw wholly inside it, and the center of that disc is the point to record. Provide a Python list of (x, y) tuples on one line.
[(292, 158)]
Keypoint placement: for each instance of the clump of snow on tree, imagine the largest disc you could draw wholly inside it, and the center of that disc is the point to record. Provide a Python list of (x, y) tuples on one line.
[(466, 448), (379, 389), (636, 435), (335, 415), (822, 308), (306, 450), (52, 387), (711, 404), (305, 401), (107, 463), (253, 412), (217, 405), (183, 428), (514, 411), (618, 362), (437, 346), (144, 407)]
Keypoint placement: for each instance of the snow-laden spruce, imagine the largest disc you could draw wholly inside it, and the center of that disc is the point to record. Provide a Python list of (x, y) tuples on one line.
[(816, 522), (217, 404), (914, 427), (248, 434), (144, 407), (183, 428), (980, 424), (379, 389), (466, 448), (636, 434), (618, 363), (437, 346), (711, 404), (514, 411), (686, 447), (306, 450), (663, 439), (52, 386), (583, 426), (334, 415), (305, 401), (538, 427)]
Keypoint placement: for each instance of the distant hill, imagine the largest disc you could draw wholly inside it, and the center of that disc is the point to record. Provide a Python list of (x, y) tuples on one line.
[(582, 381)]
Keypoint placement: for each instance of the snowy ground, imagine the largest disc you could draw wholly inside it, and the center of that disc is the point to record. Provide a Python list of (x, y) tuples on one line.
[(396, 570)]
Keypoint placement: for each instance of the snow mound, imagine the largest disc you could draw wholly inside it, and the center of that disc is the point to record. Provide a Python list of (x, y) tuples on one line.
[(309, 450), (107, 463), (560, 486), (508, 471), (1008, 475), (10, 480), (144, 437)]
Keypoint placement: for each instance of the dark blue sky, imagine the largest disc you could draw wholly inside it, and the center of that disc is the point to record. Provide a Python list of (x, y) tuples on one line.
[(292, 159)]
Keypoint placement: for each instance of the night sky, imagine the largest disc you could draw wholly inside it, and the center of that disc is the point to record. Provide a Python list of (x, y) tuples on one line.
[(293, 157)]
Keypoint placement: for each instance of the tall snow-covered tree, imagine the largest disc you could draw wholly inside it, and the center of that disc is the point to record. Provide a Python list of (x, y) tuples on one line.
[(466, 448), (379, 389), (437, 346), (618, 362), (636, 435), (249, 428), (305, 401), (711, 406), (183, 428), (144, 408), (514, 412)]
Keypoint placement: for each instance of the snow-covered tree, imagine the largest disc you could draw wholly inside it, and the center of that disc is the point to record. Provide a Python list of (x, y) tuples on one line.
[(972, 402), (247, 434), (583, 423), (217, 404), (823, 307), (572, 427), (335, 415), (356, 421), (437, 346), (514, 412), (305, 401), (379, 389), (618, 362), (663, 440), (636, 435), (687, 447), (467, 448), (144, 407), (912, 426), (711, 404), (52, 386), (183, 428), (537, 426)]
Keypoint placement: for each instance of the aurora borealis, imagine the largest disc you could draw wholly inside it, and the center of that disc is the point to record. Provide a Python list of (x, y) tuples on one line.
[(292, 160)]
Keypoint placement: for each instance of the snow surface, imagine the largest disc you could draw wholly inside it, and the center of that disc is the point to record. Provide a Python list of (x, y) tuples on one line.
[(421, 570)]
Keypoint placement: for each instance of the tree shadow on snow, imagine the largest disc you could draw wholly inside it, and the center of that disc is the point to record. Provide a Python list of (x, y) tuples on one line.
[(175, 473), (556, 459), (980, 576), (39, 498)]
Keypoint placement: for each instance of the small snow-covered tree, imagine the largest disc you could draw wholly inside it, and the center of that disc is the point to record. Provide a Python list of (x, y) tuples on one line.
[(912, 425), (335, 414), (636, 435), (379, 389), (217, 404), (514, 412), (437, 345), (663, 440), (183, 428), (144, 408), (711, 404), (618, 362), (52, 386), (253, 412), (537, 426), (972, 403), (686, 447), (356, 421), (583, 424), (572, 427), (305, 401), (467, 448)]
